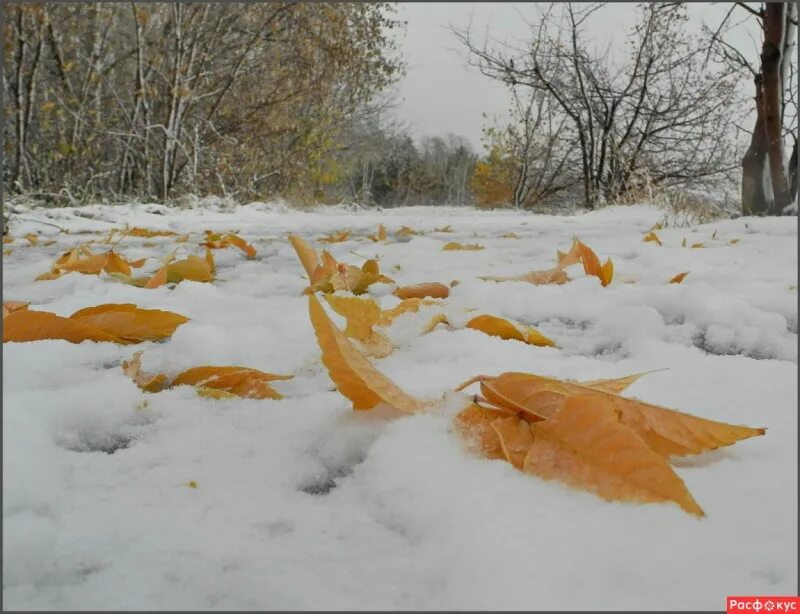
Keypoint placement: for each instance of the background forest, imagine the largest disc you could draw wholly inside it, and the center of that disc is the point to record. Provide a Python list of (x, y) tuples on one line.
[(127, 100)]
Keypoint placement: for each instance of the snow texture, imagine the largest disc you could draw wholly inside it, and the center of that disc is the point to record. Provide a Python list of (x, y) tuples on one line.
[(303, 503)]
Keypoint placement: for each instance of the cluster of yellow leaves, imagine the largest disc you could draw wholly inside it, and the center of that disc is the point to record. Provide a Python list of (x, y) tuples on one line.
[(583, 434), (193, 268), (362, 314), (327, 275), (119, 323), (653, 237), (210, 381), (214, 240), (589, 436), (380, 235), (407, 231), (579, 253), (147, 233), (336, 237), (351, 372), (82, 260), (453, 246)]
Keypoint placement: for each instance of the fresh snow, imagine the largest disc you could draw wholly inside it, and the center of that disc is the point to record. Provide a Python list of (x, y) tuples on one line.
[(303, 503)]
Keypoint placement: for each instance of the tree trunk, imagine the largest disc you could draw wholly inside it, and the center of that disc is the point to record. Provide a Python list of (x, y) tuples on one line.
[(755, 172), (776, 29), (793, 173)]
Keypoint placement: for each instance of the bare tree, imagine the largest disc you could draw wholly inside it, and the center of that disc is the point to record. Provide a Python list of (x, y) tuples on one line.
[(768, 184), (662, 117)]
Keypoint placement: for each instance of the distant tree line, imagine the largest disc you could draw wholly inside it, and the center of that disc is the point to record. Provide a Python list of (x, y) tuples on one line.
[(253, 101), (155, 100)]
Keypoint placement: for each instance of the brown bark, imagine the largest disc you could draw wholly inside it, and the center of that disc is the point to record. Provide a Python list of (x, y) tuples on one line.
[(775, 28), (793, 172), (754, 200)]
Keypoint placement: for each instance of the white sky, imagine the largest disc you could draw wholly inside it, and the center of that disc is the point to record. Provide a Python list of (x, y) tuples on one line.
[(440, 94)]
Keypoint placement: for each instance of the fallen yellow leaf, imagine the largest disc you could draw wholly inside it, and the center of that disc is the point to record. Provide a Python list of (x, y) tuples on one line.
[(651, 237), (616, 385), (678, 278), (28, 325), (12, 306), (149, 234), (193, 268), (430, 289), (351, 372), (335, 237), (668, 432), (130, 323), (505, 329), (381, 234), (406, 231), (585, 445), (453, 246), (404, 306), (550, 276)]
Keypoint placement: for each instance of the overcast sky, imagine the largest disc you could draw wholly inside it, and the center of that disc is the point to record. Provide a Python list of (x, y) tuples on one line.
[(441, 94)]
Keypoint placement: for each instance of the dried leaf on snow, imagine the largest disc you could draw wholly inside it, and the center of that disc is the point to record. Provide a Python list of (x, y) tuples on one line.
[(362, 315), (12, 306), (380, 235), (651, 237), (505, 329), (408, 305), (586, 446), (351, 372), (130, 323), (668, 432), (430, 289), (453, 246), (335, 237)]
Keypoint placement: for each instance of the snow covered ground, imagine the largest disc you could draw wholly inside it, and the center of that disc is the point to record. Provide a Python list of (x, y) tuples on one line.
[(302, 503)]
